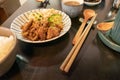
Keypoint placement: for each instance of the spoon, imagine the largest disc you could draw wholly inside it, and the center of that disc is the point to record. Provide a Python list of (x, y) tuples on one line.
[(88, 13), (105, 26)]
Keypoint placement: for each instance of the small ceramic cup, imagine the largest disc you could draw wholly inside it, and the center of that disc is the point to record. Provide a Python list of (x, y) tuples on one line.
[(72, 7)]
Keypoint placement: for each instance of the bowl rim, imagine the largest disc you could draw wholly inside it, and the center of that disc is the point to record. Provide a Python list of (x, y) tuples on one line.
[(92, 3), (12, 48)]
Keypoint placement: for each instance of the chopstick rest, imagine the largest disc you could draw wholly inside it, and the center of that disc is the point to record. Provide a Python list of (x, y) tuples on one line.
[(81, 20), (74, 51)]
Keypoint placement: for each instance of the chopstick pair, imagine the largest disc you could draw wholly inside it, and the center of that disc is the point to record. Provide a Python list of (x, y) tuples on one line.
[(74, 51)]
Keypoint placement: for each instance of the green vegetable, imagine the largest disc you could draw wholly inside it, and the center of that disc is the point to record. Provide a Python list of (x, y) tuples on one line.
[(55, 18), (37, 16)]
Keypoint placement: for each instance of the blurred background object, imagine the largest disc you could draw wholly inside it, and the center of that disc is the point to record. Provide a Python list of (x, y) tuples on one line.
[(7, 8), (113, 11), (3, 15), (116, 3), (22, 2)]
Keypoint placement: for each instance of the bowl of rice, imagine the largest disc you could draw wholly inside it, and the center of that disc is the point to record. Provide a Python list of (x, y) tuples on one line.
[(7, 49)]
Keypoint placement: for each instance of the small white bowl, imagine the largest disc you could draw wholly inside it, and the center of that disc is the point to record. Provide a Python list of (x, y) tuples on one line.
[(72, 10), (92, 3), (7, 59)]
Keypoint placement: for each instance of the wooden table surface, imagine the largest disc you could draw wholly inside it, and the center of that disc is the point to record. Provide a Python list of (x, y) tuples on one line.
[(95, 60)]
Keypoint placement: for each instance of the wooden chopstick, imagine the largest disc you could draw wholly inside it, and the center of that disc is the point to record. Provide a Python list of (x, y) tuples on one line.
[(73, 53), (79, 32)]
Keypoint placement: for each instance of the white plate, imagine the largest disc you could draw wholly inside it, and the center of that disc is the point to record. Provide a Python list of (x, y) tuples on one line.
[(23, 18), (92, 3)]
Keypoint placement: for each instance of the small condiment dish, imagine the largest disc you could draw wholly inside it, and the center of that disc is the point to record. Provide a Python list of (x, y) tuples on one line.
[(92, 3)]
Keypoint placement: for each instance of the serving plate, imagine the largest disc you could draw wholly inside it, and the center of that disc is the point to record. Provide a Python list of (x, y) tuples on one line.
[(108, 41), (23, 18), (92, 3)]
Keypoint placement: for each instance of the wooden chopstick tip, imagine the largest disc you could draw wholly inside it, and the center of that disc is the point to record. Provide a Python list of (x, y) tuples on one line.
[(62, 71)]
